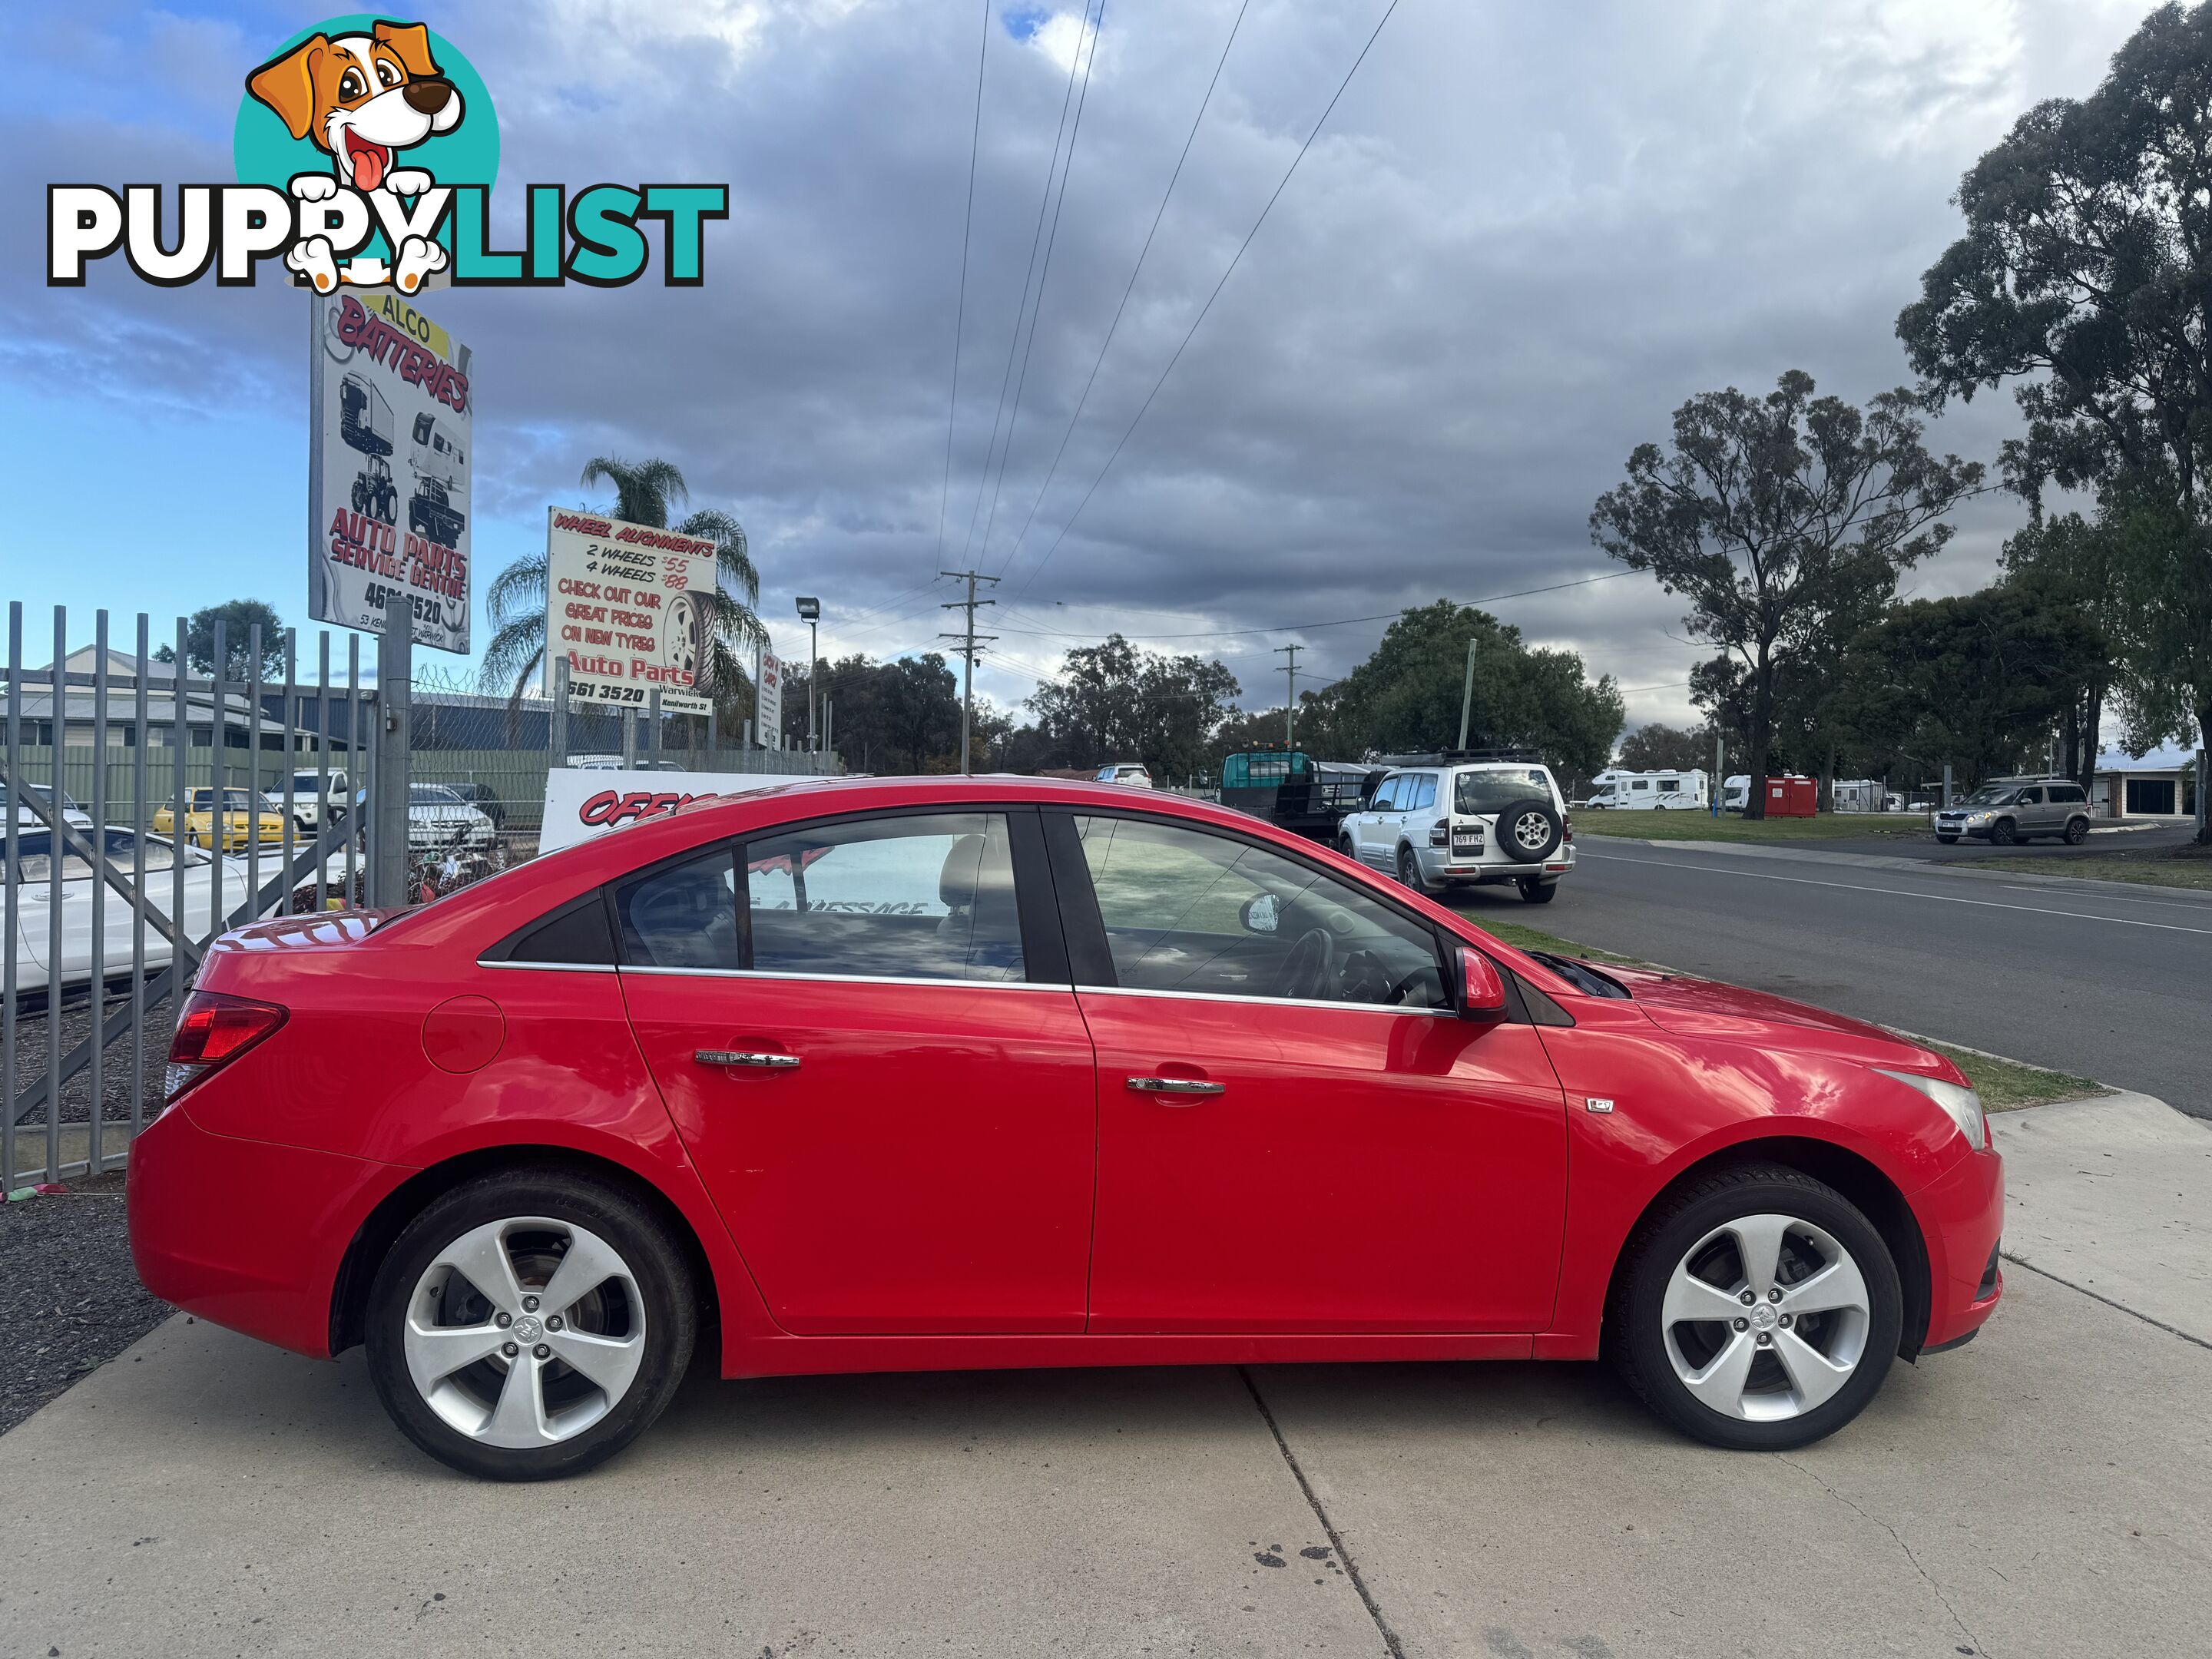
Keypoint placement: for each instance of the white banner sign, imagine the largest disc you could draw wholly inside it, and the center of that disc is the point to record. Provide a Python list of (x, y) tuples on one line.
[(627, 604), (388, 449), (768, 725), (581, 803)]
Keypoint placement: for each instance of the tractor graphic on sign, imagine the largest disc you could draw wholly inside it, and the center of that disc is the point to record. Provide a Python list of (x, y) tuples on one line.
[(440, 473), (365, 422)]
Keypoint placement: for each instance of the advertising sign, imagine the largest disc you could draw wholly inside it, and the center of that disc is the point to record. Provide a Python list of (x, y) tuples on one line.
[(628, 605), (581, 803), (388, 450), (768, 727)]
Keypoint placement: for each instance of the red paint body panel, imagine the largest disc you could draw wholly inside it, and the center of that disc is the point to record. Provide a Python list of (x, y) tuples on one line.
[(927, 1168), (959, 1176), (1363, 1171), (243, 1233)]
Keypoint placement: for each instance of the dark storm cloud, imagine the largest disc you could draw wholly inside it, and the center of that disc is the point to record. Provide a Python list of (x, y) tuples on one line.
[(1525, 234)]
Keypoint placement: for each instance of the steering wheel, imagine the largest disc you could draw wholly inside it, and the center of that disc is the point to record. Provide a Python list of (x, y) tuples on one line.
[(1305, 970)]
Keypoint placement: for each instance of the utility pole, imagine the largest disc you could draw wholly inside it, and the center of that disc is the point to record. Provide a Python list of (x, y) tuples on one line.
[(1720, 789), (968, 639), (1467, 695), (1291, 696)]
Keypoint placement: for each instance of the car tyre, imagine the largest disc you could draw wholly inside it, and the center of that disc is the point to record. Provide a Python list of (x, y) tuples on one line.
[(1529, 831), (2003, 833), (2077, 831), (1538, 892), (1409, 871), (1688, 1257), (633, 1283)]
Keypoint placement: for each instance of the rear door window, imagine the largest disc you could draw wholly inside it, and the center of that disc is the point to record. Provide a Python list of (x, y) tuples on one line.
[(926, 897), (683, 916), (1425, 793)]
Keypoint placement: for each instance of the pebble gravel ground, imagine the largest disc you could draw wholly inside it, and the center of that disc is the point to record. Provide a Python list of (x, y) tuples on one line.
[(70, 1299)]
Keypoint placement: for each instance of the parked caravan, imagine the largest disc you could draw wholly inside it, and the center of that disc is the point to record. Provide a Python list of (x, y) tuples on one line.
[(1650, 792)]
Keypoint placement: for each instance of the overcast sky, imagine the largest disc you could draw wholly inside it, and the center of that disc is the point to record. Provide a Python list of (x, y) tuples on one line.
[(1524, 234)]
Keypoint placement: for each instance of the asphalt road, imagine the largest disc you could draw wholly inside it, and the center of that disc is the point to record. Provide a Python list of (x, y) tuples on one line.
[(2105, 981)]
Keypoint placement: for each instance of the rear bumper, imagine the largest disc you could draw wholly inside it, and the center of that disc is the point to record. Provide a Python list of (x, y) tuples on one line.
[(1961, 1217), (245, 1233), (1438, 866)]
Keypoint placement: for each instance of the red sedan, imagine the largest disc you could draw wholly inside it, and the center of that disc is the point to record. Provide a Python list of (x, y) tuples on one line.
[(951, 1072)]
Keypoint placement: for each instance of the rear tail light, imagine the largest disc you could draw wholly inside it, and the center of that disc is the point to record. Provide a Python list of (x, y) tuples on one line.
[(215, 1030), (1440, 832)]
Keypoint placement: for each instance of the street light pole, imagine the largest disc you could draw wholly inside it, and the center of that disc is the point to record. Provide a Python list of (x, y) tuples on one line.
[(810, 613)]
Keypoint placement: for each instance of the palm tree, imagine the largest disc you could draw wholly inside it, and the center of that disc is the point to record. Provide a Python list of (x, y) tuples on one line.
[(515, 602)]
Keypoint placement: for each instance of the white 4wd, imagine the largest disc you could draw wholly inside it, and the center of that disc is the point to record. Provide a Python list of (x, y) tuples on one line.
[(1450, 823)]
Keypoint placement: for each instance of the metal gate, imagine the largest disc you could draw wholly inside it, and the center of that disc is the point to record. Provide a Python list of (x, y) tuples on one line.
[(148, 808), (151, 800)]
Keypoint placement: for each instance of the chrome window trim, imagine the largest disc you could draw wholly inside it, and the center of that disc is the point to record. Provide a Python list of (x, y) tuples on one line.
[(1261, 1002), (847, 979), (554, 967)]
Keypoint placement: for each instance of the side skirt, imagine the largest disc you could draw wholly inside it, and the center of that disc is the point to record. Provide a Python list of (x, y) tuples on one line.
[(801, 1356)]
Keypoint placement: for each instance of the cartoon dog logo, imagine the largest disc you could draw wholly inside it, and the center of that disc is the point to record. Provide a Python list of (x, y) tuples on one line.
[(363, 99)]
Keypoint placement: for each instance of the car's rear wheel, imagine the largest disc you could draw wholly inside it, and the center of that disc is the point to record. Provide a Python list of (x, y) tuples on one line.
[(529, 1325), (1758, 1310), (2077, 831), (1409, 870), (1538, 892)]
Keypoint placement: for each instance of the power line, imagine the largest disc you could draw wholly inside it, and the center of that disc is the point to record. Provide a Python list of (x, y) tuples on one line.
[(1021, 383), (1159, 213), (1037, 239), (1233, 262), (1334, 621), (960, 313)]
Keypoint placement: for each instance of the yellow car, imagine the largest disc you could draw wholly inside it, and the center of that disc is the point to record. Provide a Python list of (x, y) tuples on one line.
[(245, 818)]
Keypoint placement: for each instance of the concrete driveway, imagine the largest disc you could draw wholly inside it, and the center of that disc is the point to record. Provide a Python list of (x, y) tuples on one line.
[(2046, 1491)]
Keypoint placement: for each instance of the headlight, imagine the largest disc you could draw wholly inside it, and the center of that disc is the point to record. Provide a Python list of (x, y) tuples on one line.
[(1978, 817), (1963, 1105)]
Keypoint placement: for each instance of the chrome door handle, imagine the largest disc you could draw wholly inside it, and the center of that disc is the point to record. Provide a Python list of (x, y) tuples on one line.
[(745, 1057), (1175, 1085)]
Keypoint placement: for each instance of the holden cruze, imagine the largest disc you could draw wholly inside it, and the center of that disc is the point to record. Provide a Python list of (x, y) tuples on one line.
[(934, 1073)]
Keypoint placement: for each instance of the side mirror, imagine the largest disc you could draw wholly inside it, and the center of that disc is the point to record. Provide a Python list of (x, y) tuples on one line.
[(1478, 992), (1262, 913)]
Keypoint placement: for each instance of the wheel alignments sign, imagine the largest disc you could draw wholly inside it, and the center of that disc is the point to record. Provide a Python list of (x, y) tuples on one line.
[(628, 605)]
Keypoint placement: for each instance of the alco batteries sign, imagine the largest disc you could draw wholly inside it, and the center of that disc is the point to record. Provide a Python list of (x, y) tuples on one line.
[(388, 452), (628, 605)]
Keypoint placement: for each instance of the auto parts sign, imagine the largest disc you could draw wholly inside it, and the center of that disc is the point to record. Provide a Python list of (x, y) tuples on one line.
[(629, 605), (389, 449)]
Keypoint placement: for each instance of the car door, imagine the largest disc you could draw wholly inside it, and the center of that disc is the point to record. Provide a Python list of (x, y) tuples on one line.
[(1378, 825), (865, 1032), (1294, 1132)]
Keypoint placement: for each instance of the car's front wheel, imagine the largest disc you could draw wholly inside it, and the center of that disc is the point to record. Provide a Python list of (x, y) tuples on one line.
[(529, 1324), (1758, 1310), (2004, 833)]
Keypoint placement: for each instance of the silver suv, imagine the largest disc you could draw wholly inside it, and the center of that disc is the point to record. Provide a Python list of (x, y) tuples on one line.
[(1450, 822), (2004, 811)]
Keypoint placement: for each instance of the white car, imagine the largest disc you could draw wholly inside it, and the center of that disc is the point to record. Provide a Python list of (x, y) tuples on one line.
[(1437, 822), (440, 821), (312, 793), (1132, 773), (32, 878), (44, 794)]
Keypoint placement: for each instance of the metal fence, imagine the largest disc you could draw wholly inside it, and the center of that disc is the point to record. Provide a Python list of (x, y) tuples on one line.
[(149, 805)]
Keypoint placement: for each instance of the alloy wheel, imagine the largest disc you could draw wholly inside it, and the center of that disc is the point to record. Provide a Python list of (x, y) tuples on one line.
[(1765, 1318), (525, 1331)]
